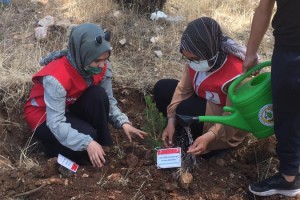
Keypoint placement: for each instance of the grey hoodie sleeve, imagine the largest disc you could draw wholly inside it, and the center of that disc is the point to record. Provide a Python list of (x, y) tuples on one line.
[(116, 116), (55, 99)]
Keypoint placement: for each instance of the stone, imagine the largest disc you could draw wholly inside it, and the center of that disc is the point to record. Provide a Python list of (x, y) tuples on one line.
[(117, 14), (158, 54), (114, 177), (41, 33), (185, 180), (47, 21), (132, 160), (154, 39), (123, 41)]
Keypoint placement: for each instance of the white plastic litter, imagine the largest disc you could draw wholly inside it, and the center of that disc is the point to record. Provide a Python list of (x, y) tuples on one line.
[(158, 15), (161, 15)]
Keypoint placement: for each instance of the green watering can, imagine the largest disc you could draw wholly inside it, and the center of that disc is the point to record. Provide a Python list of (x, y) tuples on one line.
[(251, 108)]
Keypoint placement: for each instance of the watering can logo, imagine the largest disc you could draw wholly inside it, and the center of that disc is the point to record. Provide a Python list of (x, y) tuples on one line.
[(265, 115), (251, 108)]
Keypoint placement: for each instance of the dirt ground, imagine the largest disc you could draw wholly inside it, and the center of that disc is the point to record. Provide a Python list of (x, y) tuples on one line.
[(131, 172)]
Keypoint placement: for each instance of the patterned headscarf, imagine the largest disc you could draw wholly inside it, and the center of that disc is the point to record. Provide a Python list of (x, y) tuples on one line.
[(204, 38)]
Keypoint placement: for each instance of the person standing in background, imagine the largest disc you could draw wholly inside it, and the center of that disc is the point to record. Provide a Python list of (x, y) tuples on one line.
[(285, 81)]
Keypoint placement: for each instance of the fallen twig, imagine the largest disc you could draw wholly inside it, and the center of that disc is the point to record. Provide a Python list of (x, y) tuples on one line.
[(42, 183), (30, 191)]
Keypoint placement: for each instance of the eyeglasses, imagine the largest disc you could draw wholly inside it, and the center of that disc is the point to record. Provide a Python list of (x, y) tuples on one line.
[(194, 60), (106, 37)]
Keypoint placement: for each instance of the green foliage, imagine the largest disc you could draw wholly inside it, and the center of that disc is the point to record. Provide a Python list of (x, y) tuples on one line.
[(155, 124)]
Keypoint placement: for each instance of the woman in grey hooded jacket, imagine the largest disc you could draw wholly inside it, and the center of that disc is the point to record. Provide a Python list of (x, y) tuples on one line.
[(72, 101)]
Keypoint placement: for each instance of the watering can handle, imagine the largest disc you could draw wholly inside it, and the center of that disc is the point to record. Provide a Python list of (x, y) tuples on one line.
[(237, 81)]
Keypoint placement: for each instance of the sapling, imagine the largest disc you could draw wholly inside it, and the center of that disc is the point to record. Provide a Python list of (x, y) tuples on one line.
[(155, 124)]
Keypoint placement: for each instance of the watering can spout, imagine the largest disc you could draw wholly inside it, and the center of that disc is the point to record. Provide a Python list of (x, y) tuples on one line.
[(233, 119)]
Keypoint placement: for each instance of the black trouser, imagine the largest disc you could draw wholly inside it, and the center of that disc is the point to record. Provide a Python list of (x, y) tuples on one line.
[(194, 106), (88, 115), (285, 76)]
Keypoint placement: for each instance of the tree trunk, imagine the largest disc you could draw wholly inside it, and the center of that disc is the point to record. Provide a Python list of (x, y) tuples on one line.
[(144, 6)]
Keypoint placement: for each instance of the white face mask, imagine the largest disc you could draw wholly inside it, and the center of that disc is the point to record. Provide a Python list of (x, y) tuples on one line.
[(202, 66)]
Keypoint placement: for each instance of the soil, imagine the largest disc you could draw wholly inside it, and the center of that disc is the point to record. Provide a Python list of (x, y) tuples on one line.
[(131, 171)]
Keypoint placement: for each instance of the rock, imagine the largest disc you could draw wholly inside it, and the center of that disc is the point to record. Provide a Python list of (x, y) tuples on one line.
[(154, 39), (41, 33), (158, 54), (132, 160), (47, 21), (117, 14), (185, 180), (114, 177), (123, 41)]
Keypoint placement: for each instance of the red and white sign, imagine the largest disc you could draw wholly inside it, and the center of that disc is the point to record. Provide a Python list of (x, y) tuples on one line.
[(67, 163), (169, 158)]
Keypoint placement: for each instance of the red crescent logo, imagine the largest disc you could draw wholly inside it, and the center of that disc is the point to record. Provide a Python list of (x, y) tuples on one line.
[(212, 95)]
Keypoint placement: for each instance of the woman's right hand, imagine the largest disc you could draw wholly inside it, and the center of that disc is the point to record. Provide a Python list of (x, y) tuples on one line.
[(96, 154), (249, 62), (167, 135)]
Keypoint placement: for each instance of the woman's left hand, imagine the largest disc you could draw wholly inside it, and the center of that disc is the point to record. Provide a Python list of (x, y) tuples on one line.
[(200, 144), (131, 131)]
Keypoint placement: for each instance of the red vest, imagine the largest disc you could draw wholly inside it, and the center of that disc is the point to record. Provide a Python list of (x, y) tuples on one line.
[(69, 78), (211, 85)]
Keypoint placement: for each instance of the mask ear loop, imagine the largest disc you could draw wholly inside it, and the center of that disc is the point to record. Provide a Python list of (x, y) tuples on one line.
[(214, 58)]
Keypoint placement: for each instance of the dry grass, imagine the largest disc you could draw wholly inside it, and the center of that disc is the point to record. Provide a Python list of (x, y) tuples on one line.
[(135, 64)]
